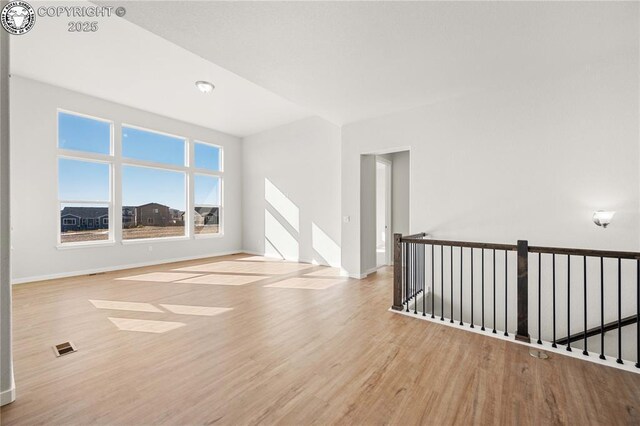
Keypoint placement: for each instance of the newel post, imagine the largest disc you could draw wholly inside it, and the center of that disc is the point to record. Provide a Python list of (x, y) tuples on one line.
[(397, 272), (523, 292)]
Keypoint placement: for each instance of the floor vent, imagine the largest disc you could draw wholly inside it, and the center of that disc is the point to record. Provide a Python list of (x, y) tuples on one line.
[(64, 348)]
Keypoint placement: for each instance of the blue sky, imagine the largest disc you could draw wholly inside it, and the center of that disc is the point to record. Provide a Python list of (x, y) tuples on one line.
[(141, 185), (84, 134), (207, 157), (148, 146), (89, 181), (83, 180)]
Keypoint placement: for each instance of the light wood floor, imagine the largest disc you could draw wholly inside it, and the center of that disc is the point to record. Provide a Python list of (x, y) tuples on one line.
[(298, 346)]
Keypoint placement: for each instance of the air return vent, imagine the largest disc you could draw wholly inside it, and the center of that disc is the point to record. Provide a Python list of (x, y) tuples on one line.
[(64, 348)]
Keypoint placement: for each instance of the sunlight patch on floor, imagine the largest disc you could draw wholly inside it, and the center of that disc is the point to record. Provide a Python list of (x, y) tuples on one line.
[(306, 283), (160, 277), (145, 326), (195, 310), (240, 267), (325, 272), (124, 306), (261, 259), (214, 279)]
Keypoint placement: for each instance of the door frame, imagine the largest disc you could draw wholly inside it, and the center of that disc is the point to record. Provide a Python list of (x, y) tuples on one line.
[(388, 258)]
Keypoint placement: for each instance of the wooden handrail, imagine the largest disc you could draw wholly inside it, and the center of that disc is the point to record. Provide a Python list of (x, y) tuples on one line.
[(586, 252), (450, 243)]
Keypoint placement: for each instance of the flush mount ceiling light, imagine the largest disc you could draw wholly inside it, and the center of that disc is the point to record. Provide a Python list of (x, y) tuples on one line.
[(205, 86), (602, 218)]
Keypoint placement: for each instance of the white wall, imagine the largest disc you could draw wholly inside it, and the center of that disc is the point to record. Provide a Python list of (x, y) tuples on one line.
[(34, 190), (7, 386), (531, 162), (291, 192)]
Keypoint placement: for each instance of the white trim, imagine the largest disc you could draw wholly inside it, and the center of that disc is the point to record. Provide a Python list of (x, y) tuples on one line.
[(546, 346), (84, 244), (8, 396), (154, 240), (120, 267)]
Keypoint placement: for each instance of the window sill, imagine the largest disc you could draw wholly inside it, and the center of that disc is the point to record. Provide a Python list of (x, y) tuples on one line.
[(71, 246), (154, 240), (207, 236)]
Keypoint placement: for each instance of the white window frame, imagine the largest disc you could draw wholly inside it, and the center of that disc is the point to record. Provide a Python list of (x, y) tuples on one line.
[(89, 157)]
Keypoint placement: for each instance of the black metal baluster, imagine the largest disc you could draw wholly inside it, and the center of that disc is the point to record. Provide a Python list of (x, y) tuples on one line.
[(553, 256), (423, 256), (451, 281), (416, 253), (539, 297), (482, 328), (602, 308), (619, 360), (406, 272), (506, 285), (569, 302), (433, 281), (471, 287), (461, 274), (584, 267), (441, 283), (494, 292)]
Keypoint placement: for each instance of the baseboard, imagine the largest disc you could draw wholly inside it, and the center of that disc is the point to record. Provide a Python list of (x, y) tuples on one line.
[(8, 396), (366, 273), (119, 267)]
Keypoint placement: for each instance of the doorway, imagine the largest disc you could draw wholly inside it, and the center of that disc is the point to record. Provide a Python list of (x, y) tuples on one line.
[(383, 211)]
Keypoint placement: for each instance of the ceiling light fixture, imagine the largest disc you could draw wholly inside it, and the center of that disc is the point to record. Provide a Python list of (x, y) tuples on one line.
[(204, 86)]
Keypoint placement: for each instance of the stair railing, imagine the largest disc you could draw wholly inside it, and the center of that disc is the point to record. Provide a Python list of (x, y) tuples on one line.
[(441, 278)]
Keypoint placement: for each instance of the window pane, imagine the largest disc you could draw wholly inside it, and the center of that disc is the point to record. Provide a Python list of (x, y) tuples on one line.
[(153, 203), (83, 180), (149, 146), (84, 222), (207, 156), (83, 134), (207, 220), (207, 190)]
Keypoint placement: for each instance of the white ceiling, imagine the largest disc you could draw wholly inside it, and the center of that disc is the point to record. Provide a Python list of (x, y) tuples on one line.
[(125, 63), (277, 62), (348, 61)]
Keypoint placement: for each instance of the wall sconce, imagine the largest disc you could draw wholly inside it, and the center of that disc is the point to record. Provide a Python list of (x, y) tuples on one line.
[(602, 218)]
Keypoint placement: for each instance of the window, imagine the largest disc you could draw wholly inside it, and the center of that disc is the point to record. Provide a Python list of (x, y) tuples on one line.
[(138, 144), (207, 191), (84, 178), (80, 133), (153, 183), (207, 157), (207, 188), (157, 174)]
